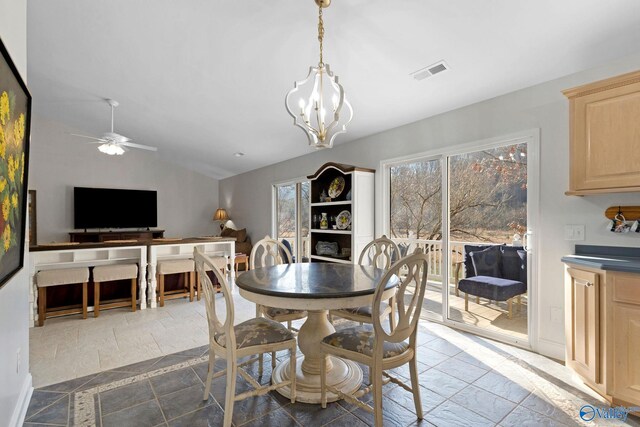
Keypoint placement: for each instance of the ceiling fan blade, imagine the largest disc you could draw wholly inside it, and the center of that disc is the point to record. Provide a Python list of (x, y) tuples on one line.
[(134, 145), (90, 137)]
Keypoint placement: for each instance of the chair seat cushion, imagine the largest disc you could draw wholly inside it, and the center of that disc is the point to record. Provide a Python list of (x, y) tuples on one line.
[(492, 288), (257, 331), (220, 262), (273, 312), (360, 339), (107, 273), (176, 266), (366, 311), (62, 277)]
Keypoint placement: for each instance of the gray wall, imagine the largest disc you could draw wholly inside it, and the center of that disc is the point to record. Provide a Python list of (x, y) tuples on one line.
[(186, 199), (15, 384), (248, 196)]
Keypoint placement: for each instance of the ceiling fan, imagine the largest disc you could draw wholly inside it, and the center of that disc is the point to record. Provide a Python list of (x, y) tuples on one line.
[(113, 143)]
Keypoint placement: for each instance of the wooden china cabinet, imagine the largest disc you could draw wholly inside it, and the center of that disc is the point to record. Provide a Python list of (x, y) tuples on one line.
[(351, 193)]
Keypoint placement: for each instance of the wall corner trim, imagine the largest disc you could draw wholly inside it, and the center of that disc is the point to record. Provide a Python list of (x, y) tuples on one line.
[(20, 411), (552, 349)]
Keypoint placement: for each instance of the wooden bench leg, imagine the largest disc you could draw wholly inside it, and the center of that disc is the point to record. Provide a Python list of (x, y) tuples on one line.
[(161, 286), (191, 287), (519, 301), (477, 300), (84, 300), (134, 288), (199, 286), (96, 299), (466, 302), (42, 305), (510, 307)]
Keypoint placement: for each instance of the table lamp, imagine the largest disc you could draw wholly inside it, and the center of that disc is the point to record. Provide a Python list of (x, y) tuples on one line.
[(222, 216)]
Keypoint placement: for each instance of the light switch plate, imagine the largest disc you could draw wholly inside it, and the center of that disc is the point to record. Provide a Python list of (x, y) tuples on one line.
[(574, 232)]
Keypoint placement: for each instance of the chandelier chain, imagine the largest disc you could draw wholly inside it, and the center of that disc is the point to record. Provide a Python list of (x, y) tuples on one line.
[(320, 34)]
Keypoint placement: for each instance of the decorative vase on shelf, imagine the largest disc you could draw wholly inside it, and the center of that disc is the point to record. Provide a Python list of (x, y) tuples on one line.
[(323, 196), (324, 222)]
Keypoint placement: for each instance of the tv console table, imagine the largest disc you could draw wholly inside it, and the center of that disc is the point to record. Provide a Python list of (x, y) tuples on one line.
[(105, 236)]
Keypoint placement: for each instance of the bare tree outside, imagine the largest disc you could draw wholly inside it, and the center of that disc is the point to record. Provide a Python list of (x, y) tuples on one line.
[(487, 201)]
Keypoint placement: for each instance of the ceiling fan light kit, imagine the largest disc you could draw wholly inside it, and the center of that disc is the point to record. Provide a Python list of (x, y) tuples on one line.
[(113, 143), (308, 101)]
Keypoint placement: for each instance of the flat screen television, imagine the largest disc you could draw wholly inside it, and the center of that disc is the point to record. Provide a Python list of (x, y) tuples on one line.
[(114, 208)]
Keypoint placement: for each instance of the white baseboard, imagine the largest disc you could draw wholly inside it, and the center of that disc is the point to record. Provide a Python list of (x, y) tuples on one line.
[(20, 411), (551, 349)]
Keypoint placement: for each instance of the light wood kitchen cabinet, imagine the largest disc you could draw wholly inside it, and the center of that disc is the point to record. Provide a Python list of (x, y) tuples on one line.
[(583, 338), (625, 345), (602, 328), (605, 136)]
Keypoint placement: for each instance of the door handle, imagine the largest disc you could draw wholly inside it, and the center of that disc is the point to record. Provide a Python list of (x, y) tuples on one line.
[(582, 282), (525, 240)]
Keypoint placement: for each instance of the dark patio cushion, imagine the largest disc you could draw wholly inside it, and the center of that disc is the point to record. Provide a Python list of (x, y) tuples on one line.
[(523, 266), (487, 262), (493, 288), (511, 263), (468, 264)]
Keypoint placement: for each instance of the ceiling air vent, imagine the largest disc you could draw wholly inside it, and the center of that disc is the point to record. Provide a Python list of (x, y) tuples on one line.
[(429, 71)]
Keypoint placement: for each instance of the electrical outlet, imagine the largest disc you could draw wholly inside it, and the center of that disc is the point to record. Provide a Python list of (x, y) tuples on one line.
[(574, 232), (18, 361)]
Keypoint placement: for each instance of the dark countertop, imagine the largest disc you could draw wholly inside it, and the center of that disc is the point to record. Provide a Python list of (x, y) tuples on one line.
[(313, 280), (121, 243), (612, 258)]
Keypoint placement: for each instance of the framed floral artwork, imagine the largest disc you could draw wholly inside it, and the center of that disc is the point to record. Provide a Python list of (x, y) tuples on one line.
[(15, 120)]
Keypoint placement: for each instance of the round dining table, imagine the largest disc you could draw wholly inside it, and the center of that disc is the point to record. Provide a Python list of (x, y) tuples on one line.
[(316, 288)]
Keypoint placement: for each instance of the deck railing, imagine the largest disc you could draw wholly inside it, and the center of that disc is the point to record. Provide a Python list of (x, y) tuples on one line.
[(434, 250), (432, 247)]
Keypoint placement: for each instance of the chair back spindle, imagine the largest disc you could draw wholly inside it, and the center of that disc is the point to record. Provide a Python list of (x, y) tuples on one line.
[(268, 252), (380, 253), (225, 327), (406, 306)]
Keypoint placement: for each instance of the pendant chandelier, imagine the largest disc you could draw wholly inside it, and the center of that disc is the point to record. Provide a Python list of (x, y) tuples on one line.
[(318, 104)]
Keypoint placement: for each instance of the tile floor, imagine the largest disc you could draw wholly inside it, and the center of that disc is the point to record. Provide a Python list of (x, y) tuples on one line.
[(79, 367)]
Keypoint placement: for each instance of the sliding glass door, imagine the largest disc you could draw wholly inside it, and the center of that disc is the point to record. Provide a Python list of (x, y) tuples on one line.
[(291, 217), (470, 208), (416, 219), (487, 225)]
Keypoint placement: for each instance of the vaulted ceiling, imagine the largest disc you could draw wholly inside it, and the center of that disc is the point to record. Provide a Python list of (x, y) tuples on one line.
[(204, 79)]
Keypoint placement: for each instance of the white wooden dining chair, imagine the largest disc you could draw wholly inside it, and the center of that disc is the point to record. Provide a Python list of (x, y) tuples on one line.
[(252, 337), (380, 347), (379, 253), (265, 253)]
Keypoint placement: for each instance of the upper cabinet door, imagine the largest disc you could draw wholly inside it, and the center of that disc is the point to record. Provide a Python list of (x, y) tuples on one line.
[(605, 136)]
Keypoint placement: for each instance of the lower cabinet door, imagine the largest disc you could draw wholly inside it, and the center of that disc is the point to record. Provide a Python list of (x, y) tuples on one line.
[(583, 323), (626, 338)]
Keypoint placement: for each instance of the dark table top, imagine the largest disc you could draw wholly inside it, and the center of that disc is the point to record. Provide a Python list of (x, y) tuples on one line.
[(313, 280)]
